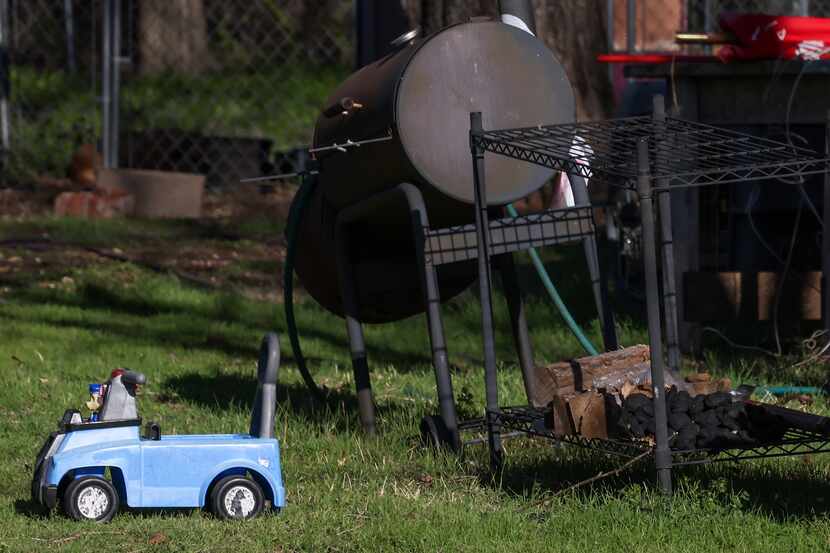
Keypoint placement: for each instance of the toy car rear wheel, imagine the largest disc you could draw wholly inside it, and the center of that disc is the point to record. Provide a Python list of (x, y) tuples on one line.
[(90, 498), (236, 497)]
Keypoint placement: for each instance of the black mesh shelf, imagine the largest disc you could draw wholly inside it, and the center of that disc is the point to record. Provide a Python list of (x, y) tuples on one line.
[(509, 234), (684, 152), (531, 421)]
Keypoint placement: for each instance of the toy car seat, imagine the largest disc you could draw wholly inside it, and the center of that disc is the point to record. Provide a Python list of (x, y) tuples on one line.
[(119, 401)]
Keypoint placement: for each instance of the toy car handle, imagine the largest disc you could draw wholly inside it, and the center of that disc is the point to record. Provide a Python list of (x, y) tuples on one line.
[(133, 377)]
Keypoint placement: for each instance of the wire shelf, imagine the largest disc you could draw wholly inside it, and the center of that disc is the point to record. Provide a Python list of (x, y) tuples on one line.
[(682, 153), (509, 234), (531, 421)]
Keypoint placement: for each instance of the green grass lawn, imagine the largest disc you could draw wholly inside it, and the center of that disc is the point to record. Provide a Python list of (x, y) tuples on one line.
[(346, 492)]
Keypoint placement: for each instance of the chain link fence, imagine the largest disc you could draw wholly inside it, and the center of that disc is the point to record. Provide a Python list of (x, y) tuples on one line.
[(226, 88), (50, 81)]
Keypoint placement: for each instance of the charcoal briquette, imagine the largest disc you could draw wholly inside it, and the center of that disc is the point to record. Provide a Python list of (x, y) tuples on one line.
[(718, 399), (643, 417), (681, 402), (707, 437), (707, 418), (670, 395), (698, 405), (636, 429), (679, 421)]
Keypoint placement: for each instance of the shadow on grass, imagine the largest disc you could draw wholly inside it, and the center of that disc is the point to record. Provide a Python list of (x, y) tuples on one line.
[(194, 333), (226, 391), (30, 509), (783, 493)]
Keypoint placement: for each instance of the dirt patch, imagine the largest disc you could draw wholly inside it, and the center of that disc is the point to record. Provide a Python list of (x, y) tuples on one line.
[(237, 244)]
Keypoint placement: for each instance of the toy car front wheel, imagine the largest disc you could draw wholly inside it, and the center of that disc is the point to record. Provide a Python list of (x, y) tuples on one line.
[(236, 497), (90, 498)]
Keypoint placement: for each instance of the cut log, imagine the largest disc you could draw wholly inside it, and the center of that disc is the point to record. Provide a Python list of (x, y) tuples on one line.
[(605, 370), (558, 419), (587, 414)]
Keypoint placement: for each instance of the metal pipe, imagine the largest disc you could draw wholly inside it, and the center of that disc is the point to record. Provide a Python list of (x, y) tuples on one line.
[(667, 236), (609, 24), (485, 292), (825, 235), (106, 83), (518, 13), (69, 24), (5, 80), (631, 26), (663, 458), (609, 34), (115, 100), (804, 8)]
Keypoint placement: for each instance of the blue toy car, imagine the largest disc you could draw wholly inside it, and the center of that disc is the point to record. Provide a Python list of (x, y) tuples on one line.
[(92, 467)]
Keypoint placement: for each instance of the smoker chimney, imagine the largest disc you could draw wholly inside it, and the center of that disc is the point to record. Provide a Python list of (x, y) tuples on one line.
[(518, 13)]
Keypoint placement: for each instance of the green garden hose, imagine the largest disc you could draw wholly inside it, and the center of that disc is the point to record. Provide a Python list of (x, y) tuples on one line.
[(295, 214), (554, 295)]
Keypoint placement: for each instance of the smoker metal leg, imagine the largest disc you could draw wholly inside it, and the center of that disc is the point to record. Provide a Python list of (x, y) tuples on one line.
[(435, 324), (485, 292), (357, 344), (518, 323), (667, 236), (599, 285), (663, 459)]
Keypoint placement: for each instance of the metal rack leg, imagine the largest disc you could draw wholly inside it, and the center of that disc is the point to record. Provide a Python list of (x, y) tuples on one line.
[(825, 241), (485, 291), (435, 324), (518, 322), (663, 459), (357, 344), (598, 283), (667, 236)]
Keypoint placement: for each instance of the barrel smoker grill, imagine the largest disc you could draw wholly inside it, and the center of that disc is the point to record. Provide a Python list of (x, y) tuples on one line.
[(375, 207), (408, 221)]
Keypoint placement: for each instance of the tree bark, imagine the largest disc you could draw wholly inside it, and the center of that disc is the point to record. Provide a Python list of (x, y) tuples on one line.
[(172, 36), (574, 29)]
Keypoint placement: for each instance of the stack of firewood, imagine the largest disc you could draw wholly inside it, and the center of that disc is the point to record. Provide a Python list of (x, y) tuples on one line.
[(610, 396)]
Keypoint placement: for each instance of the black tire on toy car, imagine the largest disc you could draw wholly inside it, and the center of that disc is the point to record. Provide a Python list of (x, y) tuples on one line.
[(236, 497), (90, 498)]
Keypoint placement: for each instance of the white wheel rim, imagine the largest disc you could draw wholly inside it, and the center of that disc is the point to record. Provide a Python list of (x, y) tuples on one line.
[(239, 501), (93, 502)]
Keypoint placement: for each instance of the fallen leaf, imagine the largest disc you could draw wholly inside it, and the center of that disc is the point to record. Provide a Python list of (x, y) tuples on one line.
[(44, 380), (157, 538)]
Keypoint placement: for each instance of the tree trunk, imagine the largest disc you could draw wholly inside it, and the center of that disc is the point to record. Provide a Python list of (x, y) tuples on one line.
[(172, 36), (574, 29)]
